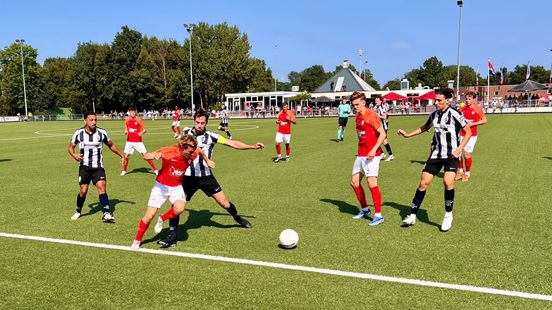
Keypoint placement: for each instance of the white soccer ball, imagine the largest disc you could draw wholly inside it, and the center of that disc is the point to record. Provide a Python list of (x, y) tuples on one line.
[(288, 238)]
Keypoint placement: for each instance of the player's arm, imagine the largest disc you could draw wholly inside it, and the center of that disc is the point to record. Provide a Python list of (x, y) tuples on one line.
[(381, 137), (467, 136), (482, 119), (143, 130), (416, 132), (291, 118), (75, 155), (238, 145), (115, 150), (210, 163), (153, 156)]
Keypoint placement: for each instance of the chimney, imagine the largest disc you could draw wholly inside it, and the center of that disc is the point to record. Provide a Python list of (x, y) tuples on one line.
[(346, 63)]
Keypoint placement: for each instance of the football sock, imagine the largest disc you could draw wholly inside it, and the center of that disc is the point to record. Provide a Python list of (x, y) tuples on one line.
[(468, 164), (460, 165), (142, 227), (150, 162), (279, 150), (173, 225), (417, 201), (232, 209), (104, 201), (228, 134), (342, 133), (449, 199), (178, 128), (361, 196), (80, 202), (388, 148), (288, 150), (376, 198), (339, 134), (168, 215), (125, 164)]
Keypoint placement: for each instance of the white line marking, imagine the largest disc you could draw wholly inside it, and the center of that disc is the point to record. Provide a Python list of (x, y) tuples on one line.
[(469, 288)]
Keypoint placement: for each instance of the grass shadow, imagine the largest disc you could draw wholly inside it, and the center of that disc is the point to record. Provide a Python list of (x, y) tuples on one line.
[(5, 159), (414, 161), (96, 207), (196, 219), (404, 210), (343, 206), (140, 170), (545, 157)]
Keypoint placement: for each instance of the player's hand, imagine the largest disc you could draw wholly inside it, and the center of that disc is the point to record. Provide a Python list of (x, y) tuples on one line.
[(259, 145), (124, 160), (371, 154), (211, 164), (77, 157), (456, 152), (401, 132)]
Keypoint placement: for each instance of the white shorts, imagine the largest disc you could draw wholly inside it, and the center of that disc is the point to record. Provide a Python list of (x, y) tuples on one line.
[(368, 167), (176, 123), (160, 193), (138, 146), (470, 145), (280, 137)]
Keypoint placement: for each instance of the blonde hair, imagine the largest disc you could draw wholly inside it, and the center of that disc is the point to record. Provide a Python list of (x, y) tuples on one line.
[(187, 140)]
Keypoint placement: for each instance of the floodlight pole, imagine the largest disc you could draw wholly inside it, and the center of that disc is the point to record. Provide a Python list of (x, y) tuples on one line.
[(21, 42), (190, 29), (459, 3), (360, 53)]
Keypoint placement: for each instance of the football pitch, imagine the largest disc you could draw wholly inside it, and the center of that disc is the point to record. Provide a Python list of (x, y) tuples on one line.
[(497, 255)]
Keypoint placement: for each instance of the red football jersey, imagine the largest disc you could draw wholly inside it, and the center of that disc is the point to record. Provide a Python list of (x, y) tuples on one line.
[(133, 127), (472, 114), (284, 126), (367, 123), (174, 165), (176, 115)]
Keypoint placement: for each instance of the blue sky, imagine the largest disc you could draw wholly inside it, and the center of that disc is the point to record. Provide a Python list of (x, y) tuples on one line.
[(396, 36)]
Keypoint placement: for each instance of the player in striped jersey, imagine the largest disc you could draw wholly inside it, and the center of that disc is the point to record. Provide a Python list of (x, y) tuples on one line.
[(90, 140), (381, 110), (134, 129), (223, 115), (199, 177), (475, 117), (445, 151)]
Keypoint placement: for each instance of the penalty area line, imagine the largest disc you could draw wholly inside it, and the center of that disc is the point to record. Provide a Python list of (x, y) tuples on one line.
[(459, 287)]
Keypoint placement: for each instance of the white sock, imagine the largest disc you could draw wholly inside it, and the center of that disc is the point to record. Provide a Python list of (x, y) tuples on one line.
[(366, 209), (377, 215)]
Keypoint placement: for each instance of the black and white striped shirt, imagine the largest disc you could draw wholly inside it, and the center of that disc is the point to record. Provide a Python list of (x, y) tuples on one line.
[(206, 141), (223, 114), (90, 145), (447, 126), (380, 111)]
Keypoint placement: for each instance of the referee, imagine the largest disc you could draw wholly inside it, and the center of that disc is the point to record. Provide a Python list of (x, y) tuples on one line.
[(446, 148), (90, 140)]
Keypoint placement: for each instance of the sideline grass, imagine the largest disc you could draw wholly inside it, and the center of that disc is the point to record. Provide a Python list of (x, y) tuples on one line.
[(499, 237)]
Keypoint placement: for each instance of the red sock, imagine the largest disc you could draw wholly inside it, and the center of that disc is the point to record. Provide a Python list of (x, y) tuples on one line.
[(468, 164), (168, 215), (288, 150), (150, 162), (178, 130), (460, 165), (125, 165), (376, 197), (361, 196), (174, 130), (142, 227), (278, 149)]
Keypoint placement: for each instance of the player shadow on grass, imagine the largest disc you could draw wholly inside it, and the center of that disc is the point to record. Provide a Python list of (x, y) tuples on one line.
[(96, 207), (5, 159), (404, 210), (343, 206), (196, 219), (141, 170), (545, 157)]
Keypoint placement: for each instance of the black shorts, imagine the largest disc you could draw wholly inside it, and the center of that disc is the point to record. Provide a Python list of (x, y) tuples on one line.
[(87, 174), (343, 121), (433, 166), (207, 184), (223, 124)]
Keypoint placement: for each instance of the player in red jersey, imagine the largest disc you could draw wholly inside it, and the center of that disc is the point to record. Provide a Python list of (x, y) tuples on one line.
[(475, 116), (284, 120), (168, 185), (134, 129), (371, 135), (176, 122)]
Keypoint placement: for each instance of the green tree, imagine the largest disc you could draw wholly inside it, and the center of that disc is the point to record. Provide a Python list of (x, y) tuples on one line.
[(260, 76), (538, 74), (368, 77), (431, 73), (312, 77), (57, 77), (392, 85)]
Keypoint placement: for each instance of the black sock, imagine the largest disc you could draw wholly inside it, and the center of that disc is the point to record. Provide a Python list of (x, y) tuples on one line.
[(173, 225), (80, 202), (388, 148), (417, 201), (104, 201), (228, 134), (232, 210), (449, 199)]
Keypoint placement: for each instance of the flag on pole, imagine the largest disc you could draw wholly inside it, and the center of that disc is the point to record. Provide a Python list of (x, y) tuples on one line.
[(491, 68), (502, 75), (528, 74)]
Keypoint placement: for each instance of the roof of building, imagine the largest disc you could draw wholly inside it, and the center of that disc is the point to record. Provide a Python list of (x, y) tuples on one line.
[(344, 80)]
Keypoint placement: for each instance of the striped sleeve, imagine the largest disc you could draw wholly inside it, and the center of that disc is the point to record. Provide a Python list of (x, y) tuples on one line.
[(103, 135), (75, 138), (429, 121), (459, 118)]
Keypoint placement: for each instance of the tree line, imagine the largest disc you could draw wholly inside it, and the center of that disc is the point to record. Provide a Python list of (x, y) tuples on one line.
[(151, 73)]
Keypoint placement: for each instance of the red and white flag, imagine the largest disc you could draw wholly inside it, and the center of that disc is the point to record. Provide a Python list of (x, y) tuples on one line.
[(491, 68)]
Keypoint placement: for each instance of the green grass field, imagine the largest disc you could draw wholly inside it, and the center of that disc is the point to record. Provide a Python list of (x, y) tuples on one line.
[(500, 237)]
